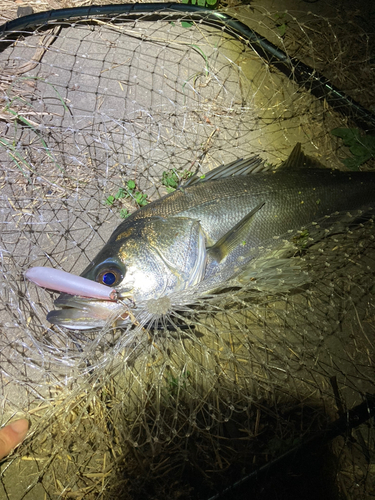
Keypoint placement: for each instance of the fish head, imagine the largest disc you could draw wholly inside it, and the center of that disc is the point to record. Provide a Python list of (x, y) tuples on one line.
[(144, 259), (151, 257)]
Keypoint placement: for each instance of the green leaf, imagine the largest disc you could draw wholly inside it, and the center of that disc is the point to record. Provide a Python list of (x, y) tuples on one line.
[(281, 29), (352, 163), (131, 185), (170, 179), (348, 135), (356, 149), (140, 199), (361, 146), (110, 200), (120, 194), (280, 15), (124, 213)]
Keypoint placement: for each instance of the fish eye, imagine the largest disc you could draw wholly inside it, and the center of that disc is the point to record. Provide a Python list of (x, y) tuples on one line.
[(110, 276)]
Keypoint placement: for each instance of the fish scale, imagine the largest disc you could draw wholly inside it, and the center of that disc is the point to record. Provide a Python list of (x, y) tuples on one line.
[(293, 198)]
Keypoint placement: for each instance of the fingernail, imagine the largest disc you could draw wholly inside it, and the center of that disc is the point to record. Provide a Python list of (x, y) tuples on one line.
[(20, 426)]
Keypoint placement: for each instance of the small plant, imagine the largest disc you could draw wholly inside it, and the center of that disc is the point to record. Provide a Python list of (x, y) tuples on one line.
[(124, 214), (361, 146), (281, 23), (129, 191), (171, 180)]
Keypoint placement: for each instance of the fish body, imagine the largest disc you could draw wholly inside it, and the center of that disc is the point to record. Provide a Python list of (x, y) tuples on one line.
[(292, 199), (208, 230)]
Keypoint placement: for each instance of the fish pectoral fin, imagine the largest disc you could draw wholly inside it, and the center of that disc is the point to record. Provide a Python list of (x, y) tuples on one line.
[(298, 159), (236, 168), (234, 237)]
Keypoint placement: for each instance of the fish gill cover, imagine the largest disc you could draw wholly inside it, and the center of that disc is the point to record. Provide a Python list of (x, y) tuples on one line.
[(101, 116)]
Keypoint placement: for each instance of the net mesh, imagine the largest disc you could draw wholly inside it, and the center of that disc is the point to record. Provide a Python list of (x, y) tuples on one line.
[(241, 376)]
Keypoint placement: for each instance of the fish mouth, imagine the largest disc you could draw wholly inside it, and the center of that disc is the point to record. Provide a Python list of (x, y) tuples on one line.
[(79, 313)]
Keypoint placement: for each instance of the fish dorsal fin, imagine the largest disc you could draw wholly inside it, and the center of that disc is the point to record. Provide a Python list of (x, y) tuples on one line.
[(235, 237), (254, 165), (236, 168), (297, 159)]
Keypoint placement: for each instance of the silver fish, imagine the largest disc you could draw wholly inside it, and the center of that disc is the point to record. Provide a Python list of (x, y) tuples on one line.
[(205, 233)]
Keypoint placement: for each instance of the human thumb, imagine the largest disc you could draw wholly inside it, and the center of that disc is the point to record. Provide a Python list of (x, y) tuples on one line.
[(11, 435)]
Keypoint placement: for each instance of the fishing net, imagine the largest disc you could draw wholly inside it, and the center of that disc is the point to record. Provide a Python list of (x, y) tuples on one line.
[(103, 111)]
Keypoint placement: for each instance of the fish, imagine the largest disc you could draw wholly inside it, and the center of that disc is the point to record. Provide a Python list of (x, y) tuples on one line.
[(208, 233)]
